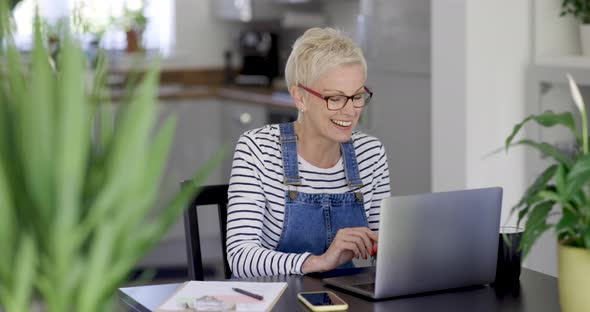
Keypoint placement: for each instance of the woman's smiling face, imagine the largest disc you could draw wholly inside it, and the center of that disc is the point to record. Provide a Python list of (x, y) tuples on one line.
[(335, 125)]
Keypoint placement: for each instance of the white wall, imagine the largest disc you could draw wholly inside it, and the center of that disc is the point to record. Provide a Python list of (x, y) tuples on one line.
[(448, 87), (497, 57), (200, 37), (342, 14), (554, 35), (478, 90)]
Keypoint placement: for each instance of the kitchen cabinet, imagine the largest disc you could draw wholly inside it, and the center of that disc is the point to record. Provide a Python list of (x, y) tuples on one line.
[(246, 10), (237, 118)]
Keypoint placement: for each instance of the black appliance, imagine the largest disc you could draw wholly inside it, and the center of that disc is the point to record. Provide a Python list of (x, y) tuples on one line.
[(260, 58)]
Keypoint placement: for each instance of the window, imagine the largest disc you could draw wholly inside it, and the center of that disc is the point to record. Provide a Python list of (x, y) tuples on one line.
[(159, 32)]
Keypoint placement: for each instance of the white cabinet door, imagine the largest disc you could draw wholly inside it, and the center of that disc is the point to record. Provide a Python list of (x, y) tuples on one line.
[(246, 10), (237, 118)]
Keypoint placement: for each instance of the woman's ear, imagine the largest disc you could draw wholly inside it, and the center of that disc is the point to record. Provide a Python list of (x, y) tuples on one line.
[(297, 97)]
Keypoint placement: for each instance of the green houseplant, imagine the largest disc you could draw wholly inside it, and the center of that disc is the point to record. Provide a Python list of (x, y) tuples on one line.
[(580, 10), (562, 190), (133, 22), (77, 187)]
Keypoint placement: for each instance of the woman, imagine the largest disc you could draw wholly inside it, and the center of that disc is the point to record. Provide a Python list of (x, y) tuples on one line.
[(305, 196)]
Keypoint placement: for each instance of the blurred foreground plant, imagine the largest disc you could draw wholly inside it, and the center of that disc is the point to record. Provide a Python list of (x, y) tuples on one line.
[(76, 186)]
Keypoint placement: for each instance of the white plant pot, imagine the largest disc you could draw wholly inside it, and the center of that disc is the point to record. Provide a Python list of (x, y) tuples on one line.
[(585, 39)]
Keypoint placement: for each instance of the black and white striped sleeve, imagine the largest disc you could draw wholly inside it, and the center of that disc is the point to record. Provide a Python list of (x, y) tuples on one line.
[(381, 188), (247, 217)]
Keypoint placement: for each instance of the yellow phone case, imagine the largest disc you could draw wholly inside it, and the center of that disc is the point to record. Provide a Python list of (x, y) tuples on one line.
[(337, 307)]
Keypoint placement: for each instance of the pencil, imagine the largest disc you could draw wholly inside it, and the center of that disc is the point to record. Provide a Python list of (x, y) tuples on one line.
[(247, 293)]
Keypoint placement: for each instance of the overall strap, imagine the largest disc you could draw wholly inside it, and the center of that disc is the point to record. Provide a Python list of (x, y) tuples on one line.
[(351, 168), (289, 150)]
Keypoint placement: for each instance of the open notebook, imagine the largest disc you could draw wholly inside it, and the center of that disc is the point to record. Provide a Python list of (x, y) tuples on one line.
[(222, 291)]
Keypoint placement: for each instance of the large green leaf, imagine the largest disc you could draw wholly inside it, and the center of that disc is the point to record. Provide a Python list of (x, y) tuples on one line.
[(578, 175), (550, 195), (560, 183), (522, 213), (567, 223), (99, 260), (145, 193), (4, 20), (71, 149), (535, 225), (539, 184), (547, 150), (547, 119), (7, 226), (25, 267), (122, 166), (36, 132)]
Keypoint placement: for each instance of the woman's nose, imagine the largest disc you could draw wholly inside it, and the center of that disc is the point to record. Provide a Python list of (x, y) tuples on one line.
[(349, 108)]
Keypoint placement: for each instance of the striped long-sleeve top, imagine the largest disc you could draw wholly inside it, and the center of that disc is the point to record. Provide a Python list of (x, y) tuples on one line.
[(256, 198)]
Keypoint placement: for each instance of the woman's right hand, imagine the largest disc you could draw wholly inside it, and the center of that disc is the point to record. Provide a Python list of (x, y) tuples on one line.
[(349, 243)]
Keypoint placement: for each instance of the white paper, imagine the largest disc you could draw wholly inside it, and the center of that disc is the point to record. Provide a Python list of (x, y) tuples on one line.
[(223, 291)]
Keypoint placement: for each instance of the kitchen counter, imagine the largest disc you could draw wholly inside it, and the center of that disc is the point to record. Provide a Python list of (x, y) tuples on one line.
[(203, 84)]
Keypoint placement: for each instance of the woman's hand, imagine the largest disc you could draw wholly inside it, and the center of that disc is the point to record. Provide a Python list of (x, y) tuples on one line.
[(349, 243)]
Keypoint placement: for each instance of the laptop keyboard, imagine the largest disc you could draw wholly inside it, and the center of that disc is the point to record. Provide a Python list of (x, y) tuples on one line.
[(359, 279), (369, 287)]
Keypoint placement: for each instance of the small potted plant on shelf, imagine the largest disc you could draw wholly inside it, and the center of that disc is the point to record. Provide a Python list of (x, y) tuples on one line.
[(133, 22), (580, 9), (562, 193), (77, 186)]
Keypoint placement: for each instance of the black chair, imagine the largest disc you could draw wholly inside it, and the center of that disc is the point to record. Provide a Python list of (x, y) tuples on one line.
[(209, 195)]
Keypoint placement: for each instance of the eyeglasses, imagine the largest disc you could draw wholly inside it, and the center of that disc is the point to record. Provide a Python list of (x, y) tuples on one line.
[(338, 102)]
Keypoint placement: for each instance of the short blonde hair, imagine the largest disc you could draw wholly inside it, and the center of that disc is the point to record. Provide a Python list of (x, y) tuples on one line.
[(319, 50)]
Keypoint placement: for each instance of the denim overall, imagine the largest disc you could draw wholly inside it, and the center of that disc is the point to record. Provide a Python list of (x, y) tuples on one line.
[(312, 220)]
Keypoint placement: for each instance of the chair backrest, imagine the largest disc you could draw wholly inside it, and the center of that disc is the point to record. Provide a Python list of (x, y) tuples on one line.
[(208, 195)]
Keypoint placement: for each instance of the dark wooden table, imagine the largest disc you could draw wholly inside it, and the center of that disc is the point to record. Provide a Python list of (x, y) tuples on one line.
[(536, 293)]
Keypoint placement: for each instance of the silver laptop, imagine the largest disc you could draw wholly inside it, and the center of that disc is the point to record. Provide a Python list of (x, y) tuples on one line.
[(432, 242)]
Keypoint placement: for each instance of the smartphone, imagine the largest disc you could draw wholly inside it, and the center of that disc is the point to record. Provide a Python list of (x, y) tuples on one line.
[(322, 301)]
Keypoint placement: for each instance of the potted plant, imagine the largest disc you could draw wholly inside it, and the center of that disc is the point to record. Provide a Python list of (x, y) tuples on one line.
[(561, 191), (77, 187), (133, 22), (581, 11)]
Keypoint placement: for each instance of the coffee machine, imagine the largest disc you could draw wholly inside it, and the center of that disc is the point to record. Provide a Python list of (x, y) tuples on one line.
[(260, 58)]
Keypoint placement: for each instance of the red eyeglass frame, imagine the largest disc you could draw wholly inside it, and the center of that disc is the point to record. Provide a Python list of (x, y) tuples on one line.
[(326, 98)]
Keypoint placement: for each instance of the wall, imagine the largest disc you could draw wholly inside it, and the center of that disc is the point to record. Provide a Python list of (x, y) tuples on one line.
[(497, 57), (399, 75), (448, 87), (200, 37), (478, 91), (342, 14), (553, 35)]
